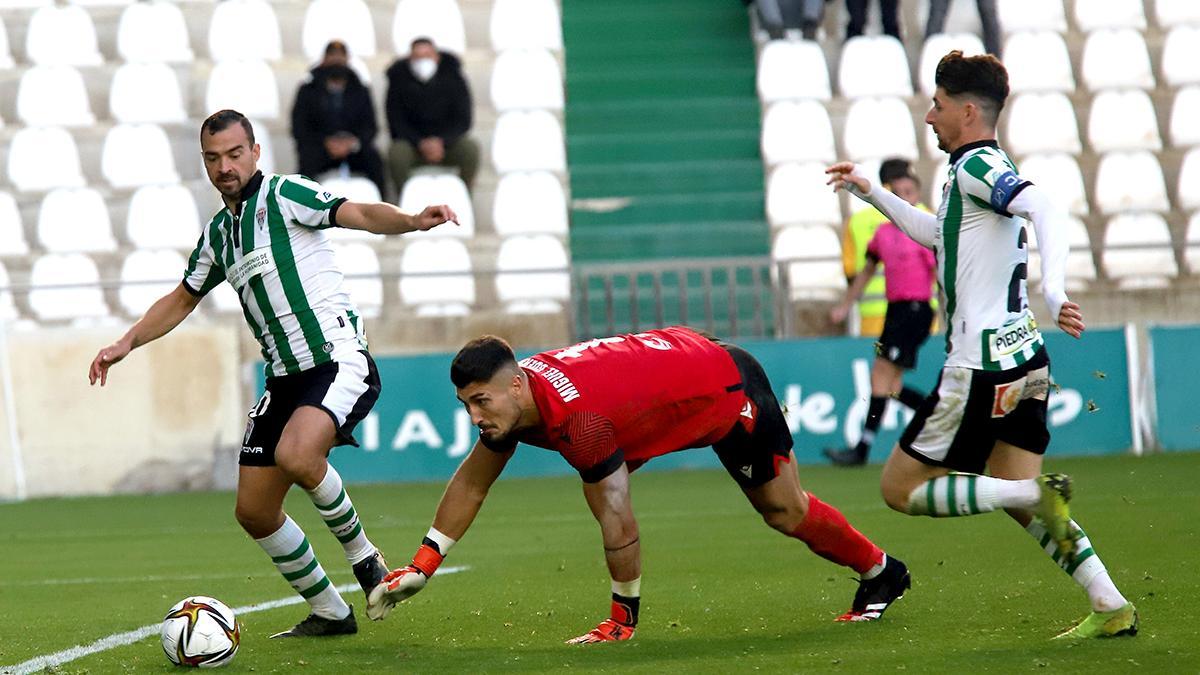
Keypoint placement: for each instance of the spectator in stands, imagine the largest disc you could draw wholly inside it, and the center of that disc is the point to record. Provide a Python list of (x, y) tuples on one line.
[(429, 114), (987, 16), (889, 11), (333, 120)]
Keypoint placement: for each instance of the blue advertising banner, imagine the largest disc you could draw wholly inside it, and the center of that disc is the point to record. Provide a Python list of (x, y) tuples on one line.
[(419, 431), (1178, 414)]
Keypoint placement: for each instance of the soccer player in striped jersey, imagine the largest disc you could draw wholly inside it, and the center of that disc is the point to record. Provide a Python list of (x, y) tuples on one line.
[(988, 411), (268, 243)]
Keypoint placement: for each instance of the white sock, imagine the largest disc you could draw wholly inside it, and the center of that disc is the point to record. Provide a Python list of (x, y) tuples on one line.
[(875, 569), (965, 494), (339, 515), (295, 560), (1087, 569)]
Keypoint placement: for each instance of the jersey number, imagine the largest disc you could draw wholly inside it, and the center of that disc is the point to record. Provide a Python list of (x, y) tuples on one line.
[(1020, 272)]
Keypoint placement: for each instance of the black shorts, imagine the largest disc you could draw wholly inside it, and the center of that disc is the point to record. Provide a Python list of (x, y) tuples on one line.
[(905, 328), (959, 423), (346, 390), (752, 451)]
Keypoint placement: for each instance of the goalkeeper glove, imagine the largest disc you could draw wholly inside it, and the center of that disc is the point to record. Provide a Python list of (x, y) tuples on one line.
[(401, 584)]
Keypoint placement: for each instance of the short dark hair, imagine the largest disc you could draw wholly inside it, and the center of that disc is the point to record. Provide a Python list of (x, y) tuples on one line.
[(421, 41), (480, 359), (336, 46), (983, 77), (896, 168), (222, 120)]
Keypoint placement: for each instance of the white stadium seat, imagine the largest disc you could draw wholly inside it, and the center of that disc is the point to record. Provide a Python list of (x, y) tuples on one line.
[(223, 300), (6, 59), (1025, 15), (1172, 13), (436, 277), (524, 79), (439, 20), (1090, 16), (1042, 123), (879, 127), (1130, 181), (163, 216), (1192, 250), (530, 203), (78, 294), (797, 193), (245, 86), (814, 261), (1181, 56), (422, 189), (779, 64), (1189, 180), (42, 158), (1059, 177), (53, 95), (873, 66), (1080, 266), (528, 141), (931, 142), (146, 276), (1185, 117), (62, 35), (525, 24), (136, 155), (244, 30), (938, 46), (345, 20), (1115, 59), (1038, 61), (266, 146), (8, 310), (75, 220), (12, 230), (797, 131), (1138, 251), (153, 32), (937, 183), (532, 274), (360, 267), (1123, 120), (146, 92)]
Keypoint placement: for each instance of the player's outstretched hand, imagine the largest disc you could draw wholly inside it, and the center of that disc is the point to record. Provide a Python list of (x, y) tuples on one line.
[(607, 631), (1070, 319), (399, 585), (841, 176), (433, 216), (105, 359), (839, 313)]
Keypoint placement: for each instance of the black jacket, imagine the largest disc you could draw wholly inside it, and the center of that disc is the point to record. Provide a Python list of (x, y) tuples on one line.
[(316, 116), (440, 107)]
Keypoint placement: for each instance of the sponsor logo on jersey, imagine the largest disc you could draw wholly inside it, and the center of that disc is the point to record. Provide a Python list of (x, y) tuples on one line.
[(324, 196), (256, 263), (747, 470), (748, 410), (1013, 337), (256, 450)]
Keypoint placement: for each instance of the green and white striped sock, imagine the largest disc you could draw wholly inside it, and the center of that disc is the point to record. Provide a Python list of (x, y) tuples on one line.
[(295, 560), (1086, 568), (339, 515), (966, 494)]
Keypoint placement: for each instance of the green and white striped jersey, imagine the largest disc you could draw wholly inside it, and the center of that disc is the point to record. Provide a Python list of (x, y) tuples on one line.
[(275, 255)]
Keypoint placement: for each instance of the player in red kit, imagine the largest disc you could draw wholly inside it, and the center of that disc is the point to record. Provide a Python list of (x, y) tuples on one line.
[(609, 405)]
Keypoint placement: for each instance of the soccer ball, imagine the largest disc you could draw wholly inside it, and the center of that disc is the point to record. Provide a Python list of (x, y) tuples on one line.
[(200, 632)]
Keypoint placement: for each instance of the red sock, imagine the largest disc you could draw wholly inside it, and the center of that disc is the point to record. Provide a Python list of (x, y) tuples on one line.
[(827, 533)]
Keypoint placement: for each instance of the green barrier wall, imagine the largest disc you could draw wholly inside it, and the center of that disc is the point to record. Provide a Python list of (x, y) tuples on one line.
[(1178, 415)]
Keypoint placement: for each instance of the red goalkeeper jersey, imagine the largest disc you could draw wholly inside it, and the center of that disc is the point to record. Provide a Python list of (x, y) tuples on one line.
[(633, 397)]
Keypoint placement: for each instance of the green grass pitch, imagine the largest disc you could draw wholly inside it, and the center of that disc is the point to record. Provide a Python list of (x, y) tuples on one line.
[(721, 592)]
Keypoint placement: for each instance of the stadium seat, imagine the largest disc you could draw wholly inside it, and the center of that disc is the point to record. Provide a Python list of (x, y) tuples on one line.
[(42, 158), (797, 193), (1090, 16), (937, 183), (1185, 117), (231, 38), (345, 20), (74, 220), (1181, 56), (360, 267), (525, 24), (146, 276), (813, 256), (528, 141), (532, 274), (797, 131), (931, 142), (778, 65), (422, 189), (1171, 13), (12, 230), (1025, 15), (1138, 251), (8, 309), (1080, 267), (78, 293), (938, 46), (1042, 123), (163, 216), (530, 203), (525, 79), (1123, 120), (136, 155), (1130, 181), (1059, 177), (436, 277), (222, 300), (153, 32), (1116, 59), (266, 146), (353, 188), (146, 92), (1038, 61), (1192, 250), (879, 127), (6, 59), (53, 96), (62, 35), (246, 86), (1189, 180), (439, 20), (873, 66)]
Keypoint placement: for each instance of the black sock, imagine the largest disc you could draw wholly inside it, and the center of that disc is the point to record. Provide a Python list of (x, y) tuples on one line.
[(874, 417), (625, 610), (910, 397)]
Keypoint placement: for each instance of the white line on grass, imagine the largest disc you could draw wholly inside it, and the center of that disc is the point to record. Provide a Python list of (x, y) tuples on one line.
[(129, 637)]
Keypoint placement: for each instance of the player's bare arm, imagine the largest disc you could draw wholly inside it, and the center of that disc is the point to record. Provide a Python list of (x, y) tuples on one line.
[(383, 218), (164, 315)]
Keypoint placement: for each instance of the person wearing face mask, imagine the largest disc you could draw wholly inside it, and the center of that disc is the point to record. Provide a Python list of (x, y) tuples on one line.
[(333, 120), (429, 114)]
